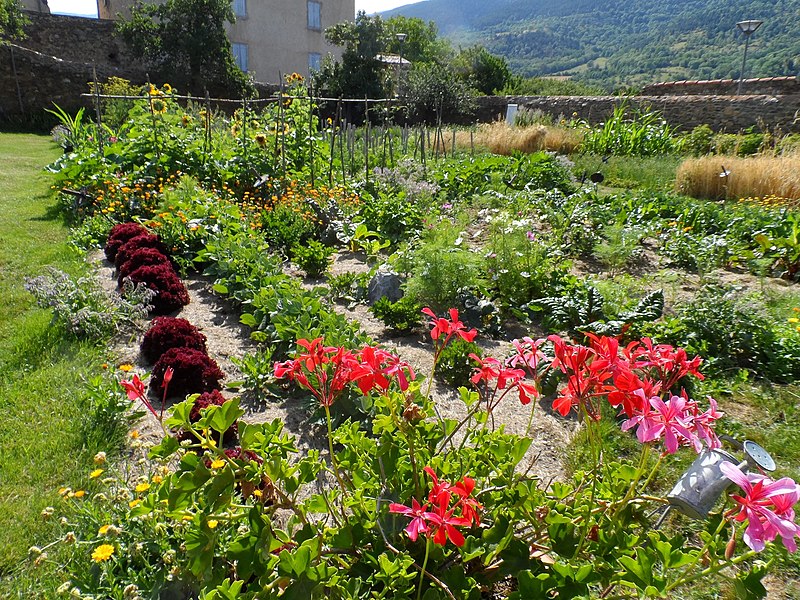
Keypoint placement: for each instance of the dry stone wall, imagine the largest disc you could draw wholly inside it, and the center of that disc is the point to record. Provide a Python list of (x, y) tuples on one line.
[(721, 113)]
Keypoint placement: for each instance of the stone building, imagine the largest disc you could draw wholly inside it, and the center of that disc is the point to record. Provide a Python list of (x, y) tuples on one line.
[(269, 37)]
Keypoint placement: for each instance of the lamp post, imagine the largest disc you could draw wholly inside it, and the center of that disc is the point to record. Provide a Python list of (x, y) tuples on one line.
[(748, 28), (401, 37)]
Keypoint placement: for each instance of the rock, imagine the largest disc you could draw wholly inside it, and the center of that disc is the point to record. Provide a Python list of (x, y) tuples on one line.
[(384, 284)]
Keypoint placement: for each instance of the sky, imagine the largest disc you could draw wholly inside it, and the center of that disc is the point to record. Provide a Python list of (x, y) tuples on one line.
[(89, 7)]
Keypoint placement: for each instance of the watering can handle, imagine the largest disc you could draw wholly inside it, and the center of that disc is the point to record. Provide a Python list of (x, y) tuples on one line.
[(732, 441)]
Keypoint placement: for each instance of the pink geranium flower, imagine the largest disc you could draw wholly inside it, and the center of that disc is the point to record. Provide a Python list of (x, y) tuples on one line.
[(767, 506)]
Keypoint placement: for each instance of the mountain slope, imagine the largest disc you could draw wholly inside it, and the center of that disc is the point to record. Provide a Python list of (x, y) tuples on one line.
[(623, 42)]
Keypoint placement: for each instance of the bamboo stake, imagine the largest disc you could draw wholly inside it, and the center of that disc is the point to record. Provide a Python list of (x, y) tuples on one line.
[(311, 129), (97, 110)]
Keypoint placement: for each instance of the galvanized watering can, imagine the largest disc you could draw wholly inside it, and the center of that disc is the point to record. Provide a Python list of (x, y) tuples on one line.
[(703, 483)]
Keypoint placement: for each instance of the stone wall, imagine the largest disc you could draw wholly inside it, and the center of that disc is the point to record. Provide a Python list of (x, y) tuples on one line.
[(721, 113), (56, 62), (776, 86)]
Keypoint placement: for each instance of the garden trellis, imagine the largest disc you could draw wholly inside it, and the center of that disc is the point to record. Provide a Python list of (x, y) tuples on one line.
[(370, 145)]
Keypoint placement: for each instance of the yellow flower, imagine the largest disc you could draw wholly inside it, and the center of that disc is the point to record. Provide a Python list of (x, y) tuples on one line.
[(102, 553), (103, 530), (134, 503), (217, 464), (167, 88), (95, 474), (157, 479), (794, 320), (125, 368), (80, 494), (212, 524), (142, 487), (158, 106), (134, 434)]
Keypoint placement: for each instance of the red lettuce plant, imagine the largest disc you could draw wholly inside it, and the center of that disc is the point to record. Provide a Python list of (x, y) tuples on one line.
[(139, 258), (166, 333), (194, 372), (206, 399), (120, 234), (172, 294), (145, 240)]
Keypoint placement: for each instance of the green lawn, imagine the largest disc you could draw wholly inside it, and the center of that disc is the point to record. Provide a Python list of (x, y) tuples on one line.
[(43, 372)]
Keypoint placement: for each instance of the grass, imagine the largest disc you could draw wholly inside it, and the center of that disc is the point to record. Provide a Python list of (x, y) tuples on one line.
[(43, 390), (718, 177), (656, 173), (501, 138)]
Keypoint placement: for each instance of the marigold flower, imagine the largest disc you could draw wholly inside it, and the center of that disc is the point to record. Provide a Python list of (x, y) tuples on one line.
[(217, 464), (134, 503), (212, 523), (96, 473), (102, 553), (79, 494), (142, 487), (103, 529)]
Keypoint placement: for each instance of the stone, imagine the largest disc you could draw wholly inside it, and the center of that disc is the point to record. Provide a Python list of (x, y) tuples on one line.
[(384, 284)]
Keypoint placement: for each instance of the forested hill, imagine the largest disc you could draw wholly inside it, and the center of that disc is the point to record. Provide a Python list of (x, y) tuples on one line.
[(623, 42)]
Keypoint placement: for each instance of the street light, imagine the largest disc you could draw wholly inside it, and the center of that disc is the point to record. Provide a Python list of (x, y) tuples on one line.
[(401, 37), (748, 28)]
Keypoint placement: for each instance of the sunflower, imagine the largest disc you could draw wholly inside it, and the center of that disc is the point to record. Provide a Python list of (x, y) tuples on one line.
[(261, 140), (159, 106)]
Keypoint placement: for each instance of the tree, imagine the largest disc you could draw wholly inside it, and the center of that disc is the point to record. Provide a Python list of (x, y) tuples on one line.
[(186, 41), (486, 72), (434, 92), (422, 43), (11, 20), (360, 73)]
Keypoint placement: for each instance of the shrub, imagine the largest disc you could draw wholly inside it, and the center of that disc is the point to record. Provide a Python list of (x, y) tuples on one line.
[(455, 367), (313, 257), (401, 316), (206, 399), (171, 294), (166, 333), (194, 372), (145, 240), (120, 234), (139, 258)]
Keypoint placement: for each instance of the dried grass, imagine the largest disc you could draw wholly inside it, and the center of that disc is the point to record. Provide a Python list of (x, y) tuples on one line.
[(501, 138), (729, 177)]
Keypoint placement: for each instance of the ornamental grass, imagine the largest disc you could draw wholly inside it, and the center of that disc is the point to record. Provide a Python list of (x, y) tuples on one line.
[(501, 138), (729, 177)]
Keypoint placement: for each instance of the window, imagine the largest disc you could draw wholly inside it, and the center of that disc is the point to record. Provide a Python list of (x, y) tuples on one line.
[(314, 61), (240, 8), (240, 55), (314, 15)]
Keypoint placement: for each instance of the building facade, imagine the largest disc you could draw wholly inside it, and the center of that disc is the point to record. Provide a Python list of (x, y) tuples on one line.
[(270, 37)]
